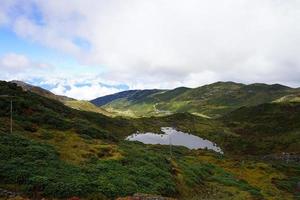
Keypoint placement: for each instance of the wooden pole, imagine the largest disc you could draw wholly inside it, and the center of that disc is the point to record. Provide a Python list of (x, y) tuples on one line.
[(11, 108), (170, 141)]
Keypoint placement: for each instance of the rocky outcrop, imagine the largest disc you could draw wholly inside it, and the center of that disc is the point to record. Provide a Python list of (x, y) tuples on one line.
[(8, 194)]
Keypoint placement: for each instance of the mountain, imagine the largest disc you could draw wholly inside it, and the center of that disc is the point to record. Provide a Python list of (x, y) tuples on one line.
[(119, 103), (73, 103), (86, 106), (131, 95), (211, 100), (41, 91), (56, 152), (289, 98)]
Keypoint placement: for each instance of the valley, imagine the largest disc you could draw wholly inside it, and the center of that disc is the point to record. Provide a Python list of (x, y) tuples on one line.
[(56, 151)]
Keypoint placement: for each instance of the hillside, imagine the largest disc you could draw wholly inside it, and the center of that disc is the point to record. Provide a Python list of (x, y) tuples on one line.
[(41, 91), (277, 125), (130, 95), (58, 152), (211, 100), (73, 103), (289, 98), (86, 106)]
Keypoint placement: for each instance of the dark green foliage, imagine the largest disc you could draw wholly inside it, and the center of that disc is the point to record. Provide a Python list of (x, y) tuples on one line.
[(31, 112), (86, 130), (264, 129), (29, 126), (291, 183), (268, 118), (196, 173), (38, 167)]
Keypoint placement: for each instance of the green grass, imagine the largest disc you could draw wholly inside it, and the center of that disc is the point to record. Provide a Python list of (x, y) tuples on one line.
[(86, 106), (212, 100), (59, 152)]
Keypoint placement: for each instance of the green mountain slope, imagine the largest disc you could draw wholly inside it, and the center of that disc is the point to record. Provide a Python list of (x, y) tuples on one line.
[(289, 98), (130, 95), (211, 100), (271, 127), (59, 152), (86, 106)]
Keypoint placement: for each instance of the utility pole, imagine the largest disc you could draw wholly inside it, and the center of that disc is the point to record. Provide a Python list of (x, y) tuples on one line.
[(170, 143), (11, 110)]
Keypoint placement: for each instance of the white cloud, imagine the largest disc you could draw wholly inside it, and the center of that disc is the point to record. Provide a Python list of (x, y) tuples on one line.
[(88, 92), (25, 28), (84, 88), (12, 62), (20, 67), (3, 18), (168, 43)]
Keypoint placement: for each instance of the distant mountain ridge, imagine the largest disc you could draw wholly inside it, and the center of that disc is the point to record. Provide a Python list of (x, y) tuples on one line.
[(70, 102), (41, 91), (211, 100), (129, 94)]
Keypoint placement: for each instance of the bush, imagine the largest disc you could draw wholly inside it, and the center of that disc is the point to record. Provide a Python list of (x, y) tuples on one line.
[(38, 166)]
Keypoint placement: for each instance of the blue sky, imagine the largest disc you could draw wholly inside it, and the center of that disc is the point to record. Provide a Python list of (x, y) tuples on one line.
[(92, 48), (61, 63)]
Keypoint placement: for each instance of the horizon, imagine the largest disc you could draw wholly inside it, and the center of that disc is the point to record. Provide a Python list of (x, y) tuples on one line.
[(157, 88), (85, 52)]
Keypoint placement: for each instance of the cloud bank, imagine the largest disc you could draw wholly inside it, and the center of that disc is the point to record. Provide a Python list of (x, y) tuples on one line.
[(168, 43)]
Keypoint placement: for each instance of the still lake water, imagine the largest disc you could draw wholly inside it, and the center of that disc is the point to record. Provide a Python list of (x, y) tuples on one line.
[(174, 137)]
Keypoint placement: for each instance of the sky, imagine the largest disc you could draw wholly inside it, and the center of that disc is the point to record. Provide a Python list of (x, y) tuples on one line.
[(90, 48)]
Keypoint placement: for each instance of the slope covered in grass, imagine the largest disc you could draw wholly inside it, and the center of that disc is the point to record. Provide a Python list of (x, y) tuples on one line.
[(271, 127), (211, 100), (86, 106), (59, 152)]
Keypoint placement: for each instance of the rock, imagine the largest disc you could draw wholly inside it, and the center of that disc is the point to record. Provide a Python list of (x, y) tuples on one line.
[(8, 194)]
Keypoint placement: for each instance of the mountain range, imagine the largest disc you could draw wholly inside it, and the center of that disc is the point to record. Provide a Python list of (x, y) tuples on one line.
[(213, 100), (57, 152)]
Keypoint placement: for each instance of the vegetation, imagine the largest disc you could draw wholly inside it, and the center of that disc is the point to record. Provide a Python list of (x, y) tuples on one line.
[(277, 125), (211, 100), (37, 168), (59, 152), (86, 106)]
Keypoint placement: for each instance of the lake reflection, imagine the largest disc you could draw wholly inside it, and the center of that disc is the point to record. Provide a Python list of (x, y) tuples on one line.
[(174, 137)]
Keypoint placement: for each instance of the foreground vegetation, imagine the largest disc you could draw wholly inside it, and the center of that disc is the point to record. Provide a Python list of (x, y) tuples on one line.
[(37, 169), (58, 152)]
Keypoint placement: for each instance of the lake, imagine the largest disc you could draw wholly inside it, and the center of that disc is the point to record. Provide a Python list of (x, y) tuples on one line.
[(176, 138)]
